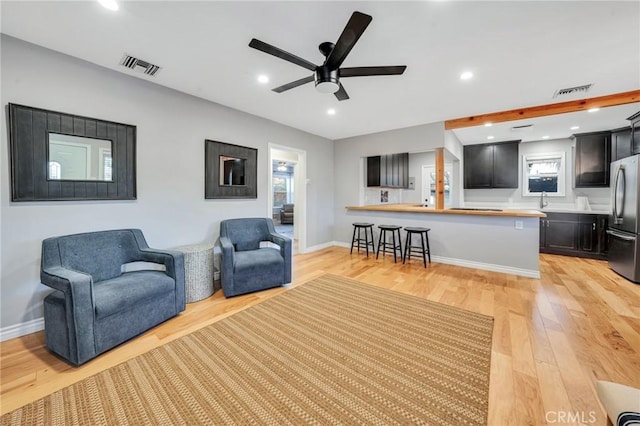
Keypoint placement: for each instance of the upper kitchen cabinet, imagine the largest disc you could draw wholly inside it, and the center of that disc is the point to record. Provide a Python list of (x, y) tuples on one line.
[(491, 165), (620, 143), (635, 133), (389, 171), (593, 157)]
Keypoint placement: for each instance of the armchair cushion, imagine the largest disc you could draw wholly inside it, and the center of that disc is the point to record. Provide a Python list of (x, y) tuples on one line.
[(124, 292)]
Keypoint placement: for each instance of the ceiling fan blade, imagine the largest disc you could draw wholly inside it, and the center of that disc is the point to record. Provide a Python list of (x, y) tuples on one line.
[(350, 35), (293, 84), (365, 71), (341, 94), (272, 50)]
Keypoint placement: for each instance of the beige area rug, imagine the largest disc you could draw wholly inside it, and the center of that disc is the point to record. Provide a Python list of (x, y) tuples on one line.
[(332, 351)]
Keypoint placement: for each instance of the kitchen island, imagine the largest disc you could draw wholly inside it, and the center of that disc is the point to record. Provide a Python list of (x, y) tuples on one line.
[(501, 240)]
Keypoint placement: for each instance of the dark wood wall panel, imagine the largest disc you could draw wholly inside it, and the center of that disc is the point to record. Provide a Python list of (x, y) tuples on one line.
[(40, 171), (29, 138), (212, 188)]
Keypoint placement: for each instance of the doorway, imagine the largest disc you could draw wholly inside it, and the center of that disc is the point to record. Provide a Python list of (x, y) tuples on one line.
[(429, 184), (287, 193)]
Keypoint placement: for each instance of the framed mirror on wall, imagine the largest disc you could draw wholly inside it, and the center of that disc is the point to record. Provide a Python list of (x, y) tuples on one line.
[(230, 171), (57, 156)]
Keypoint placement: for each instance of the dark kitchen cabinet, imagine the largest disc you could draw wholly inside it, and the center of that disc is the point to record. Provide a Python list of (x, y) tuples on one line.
[(620, 143), (635, 133), (491, 165), (561, 232), (587, 234), (593, 158), (373, 171), (505, 165), (573, 234), (478, 166), (389, 171)]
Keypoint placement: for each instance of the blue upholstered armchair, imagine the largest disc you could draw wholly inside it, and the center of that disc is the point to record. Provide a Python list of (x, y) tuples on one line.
[(95, 305), (246, 267)]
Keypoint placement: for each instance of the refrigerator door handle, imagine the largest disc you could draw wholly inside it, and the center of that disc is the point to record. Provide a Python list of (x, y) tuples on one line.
[(618, 196), (621, 236)]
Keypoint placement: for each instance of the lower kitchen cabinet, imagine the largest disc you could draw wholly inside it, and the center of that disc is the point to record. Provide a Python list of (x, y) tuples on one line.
[(574, 234)]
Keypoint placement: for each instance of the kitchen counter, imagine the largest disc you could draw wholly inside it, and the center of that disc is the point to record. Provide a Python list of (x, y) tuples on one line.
[(570, 210), (502, 240), (472, 211)]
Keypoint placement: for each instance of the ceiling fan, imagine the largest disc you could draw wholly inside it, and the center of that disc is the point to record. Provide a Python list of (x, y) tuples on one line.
[(327, 76)]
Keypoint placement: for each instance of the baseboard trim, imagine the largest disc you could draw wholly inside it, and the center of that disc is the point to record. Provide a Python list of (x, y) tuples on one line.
[(22, 329), (325, 245), (529, 273)]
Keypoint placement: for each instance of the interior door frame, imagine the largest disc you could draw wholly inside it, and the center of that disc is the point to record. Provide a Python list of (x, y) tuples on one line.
[(300, 191)]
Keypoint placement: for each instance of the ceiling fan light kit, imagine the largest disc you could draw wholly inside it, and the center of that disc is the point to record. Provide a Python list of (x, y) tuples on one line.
[(326, 80), (327, 76)]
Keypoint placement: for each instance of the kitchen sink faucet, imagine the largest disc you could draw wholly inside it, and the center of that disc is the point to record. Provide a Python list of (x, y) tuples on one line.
[(543, 202)]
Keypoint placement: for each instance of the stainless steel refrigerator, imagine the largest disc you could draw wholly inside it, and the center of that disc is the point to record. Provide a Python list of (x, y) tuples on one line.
[(624, 241)]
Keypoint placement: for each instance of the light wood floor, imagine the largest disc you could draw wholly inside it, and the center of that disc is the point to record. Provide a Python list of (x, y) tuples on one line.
[(553, 337)]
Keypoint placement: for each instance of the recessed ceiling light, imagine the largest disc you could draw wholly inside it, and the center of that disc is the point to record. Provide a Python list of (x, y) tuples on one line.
[(109, 4), (466, 75), (545, 137), (263, 79), (488, 124), (575, 127), (331, 111), (595, 109), (490, 137)]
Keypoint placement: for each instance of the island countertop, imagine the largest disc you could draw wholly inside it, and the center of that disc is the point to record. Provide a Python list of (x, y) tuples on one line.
[(415, 208)]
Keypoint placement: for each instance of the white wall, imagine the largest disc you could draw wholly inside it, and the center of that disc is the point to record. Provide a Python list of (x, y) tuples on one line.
[(416, 161), (598, 197), (349, 164), (170, 209)]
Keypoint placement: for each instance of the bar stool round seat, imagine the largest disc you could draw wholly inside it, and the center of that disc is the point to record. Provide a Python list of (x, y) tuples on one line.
[(357, 240), (423, 250), (390, 247)]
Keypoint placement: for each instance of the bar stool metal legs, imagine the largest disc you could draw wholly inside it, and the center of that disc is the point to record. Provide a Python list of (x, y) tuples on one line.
[(357, 239), (395, 245), (424, 240)]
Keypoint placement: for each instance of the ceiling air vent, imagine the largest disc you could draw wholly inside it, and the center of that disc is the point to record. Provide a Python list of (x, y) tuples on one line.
[(523, 128), (139, 65), (572, 90)]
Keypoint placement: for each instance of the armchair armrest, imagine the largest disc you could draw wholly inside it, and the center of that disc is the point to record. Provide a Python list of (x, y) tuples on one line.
[(174, 264), (227, 261), (172, 260), (77, 288), (64, 279), (285, 252)]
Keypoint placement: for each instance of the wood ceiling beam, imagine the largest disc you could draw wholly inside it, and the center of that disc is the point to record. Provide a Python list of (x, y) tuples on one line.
[(542, 110)]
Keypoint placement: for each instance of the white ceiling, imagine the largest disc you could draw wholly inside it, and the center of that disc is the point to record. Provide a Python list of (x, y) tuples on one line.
[(521, 53)]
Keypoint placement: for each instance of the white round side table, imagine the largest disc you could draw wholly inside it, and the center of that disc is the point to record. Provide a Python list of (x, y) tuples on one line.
[(198, 271)]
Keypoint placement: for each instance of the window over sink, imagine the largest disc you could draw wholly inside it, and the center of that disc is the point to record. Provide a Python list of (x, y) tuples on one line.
[(543, 173)]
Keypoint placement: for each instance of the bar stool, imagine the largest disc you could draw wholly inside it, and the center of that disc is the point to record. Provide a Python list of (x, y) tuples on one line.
[(408, 248), (366, 226), (386, 247)]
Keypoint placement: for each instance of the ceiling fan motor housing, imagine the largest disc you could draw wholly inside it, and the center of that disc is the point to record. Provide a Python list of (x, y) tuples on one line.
[(326, 80)]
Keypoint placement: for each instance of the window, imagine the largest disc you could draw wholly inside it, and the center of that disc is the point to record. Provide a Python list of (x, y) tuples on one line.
[(282, 189), (543, 173), (55, 171), (106, 162)]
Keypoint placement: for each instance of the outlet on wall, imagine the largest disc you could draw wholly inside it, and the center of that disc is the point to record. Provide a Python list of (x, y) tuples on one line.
[(519, 224)]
